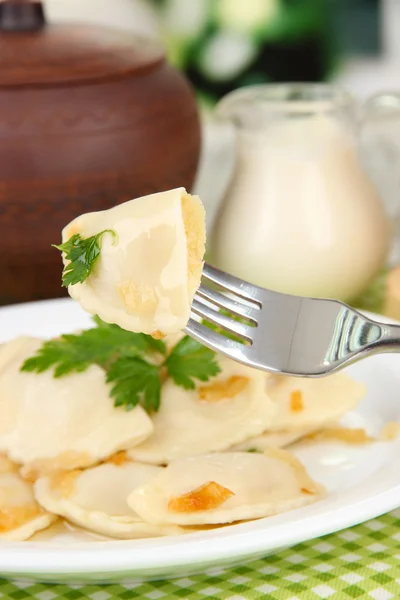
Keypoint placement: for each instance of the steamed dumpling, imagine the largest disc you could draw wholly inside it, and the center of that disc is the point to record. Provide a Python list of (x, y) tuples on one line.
[(20, 514), (303, 406), (227, 410), (96, 499), (225, 487), (69, 422), (145, 278), (312, 403)]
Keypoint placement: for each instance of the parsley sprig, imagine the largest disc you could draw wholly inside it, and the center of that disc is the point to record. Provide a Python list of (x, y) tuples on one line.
[(190, 360), (82, 254), (135, 364), (135, 381)]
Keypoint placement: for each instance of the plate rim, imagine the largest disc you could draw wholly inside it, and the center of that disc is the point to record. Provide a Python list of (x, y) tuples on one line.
[(119, 555)]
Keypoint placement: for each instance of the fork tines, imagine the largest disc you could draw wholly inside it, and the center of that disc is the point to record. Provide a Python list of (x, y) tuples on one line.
[(240, 304)]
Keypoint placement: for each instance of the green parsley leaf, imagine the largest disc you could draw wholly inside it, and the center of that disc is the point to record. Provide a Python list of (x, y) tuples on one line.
[(190, 360), (67, 355), (116, 337), (102, 345), (82, 254), (135, 381), (132, 362)]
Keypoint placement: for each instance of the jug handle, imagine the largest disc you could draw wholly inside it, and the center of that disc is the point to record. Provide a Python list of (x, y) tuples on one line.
[(383, 103), (384, 163)]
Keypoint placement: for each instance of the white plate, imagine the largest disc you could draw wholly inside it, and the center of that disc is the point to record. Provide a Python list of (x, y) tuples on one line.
[(363, 482)]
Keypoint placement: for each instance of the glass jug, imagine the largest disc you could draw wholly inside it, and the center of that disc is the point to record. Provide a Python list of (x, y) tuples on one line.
[(380, 150), (301, 214)]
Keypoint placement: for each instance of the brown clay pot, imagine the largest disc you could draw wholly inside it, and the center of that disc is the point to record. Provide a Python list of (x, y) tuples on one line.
[(89, 118)]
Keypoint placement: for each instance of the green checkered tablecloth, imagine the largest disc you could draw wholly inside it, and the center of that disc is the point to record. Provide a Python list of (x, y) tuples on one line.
[(361, 562)]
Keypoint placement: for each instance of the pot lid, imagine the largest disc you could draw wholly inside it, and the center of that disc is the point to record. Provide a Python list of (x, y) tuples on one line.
[(35, 53)]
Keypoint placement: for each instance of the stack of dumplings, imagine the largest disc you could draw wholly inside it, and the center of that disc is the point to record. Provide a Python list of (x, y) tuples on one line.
[(210, 456)]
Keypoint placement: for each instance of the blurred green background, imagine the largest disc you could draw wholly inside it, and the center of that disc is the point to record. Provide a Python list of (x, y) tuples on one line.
[(225, 44), (355, 43)]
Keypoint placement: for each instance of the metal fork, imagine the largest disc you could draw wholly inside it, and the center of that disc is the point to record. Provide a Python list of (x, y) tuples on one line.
[(283, 333)]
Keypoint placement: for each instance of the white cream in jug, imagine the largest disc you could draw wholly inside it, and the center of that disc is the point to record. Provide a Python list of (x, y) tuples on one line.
[(301, 215)]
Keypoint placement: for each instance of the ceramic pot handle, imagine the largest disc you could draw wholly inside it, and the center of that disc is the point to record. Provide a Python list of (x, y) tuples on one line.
[(21, 15)]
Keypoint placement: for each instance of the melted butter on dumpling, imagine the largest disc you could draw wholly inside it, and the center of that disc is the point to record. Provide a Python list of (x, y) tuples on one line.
[(225, 487), (312, 403), (96, 499), (224, 411), (20, 514), (68, 422), (145, 278)]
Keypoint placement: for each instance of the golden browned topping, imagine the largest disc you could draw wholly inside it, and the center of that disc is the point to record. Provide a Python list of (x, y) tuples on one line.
[(190, 528), (6, 465), (29, 475), (67, 461), (342, 434), (296, 401), (119, 458), (307, 491), (390, 431), (207, 496), (158, 335), (64, 482), (12, 517), (193, 222), (220, 390), (138, 297)]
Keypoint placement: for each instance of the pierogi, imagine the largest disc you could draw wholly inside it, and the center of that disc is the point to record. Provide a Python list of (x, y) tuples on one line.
[(80, 447), (49, 423), (311, 403), (20, 514), (303, 406), (230, 408), (149, 270), (225, 487), (96, 499)]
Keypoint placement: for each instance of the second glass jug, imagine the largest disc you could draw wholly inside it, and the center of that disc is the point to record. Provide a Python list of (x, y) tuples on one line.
[(300, 215)]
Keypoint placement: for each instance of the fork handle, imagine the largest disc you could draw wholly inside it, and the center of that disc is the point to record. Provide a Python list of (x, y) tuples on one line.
[(358, 337), (389, 340)]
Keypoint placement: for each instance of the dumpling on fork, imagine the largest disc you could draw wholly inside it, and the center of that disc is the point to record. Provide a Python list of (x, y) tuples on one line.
[(150, 267)]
